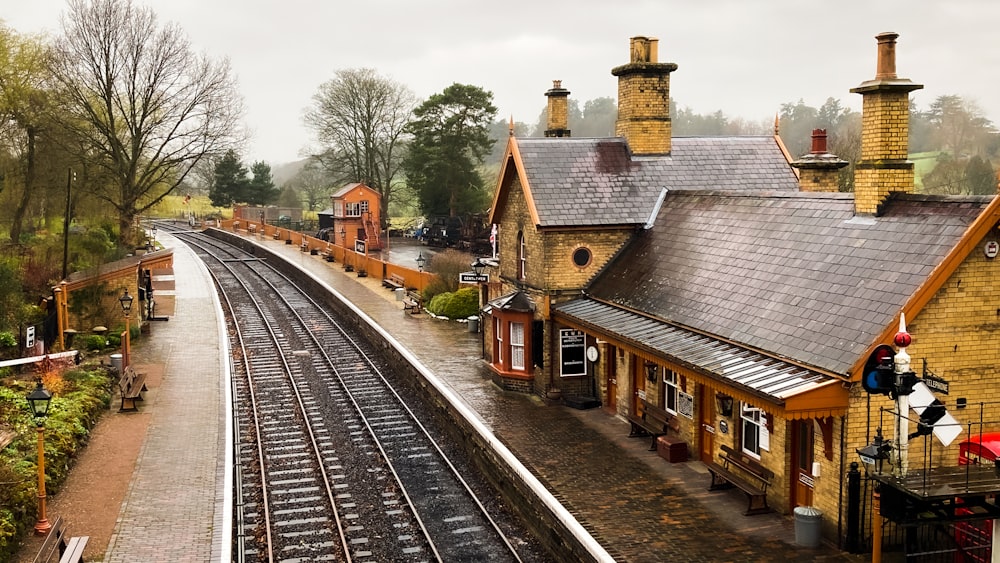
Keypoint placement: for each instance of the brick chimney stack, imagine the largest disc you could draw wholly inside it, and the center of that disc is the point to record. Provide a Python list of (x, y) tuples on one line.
[(558, 111), (819, 169), (885, 131), (644, 99)]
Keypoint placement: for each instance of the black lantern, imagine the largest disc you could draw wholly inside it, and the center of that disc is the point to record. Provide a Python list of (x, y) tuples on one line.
[(126, 301), (725, 405), (650, 371), (478, 267), (343, 236), (873, 455), (39, 400), (421, 261)]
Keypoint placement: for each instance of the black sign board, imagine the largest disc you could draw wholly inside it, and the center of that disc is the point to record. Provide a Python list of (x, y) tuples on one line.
[(935, 383), (572, 352)]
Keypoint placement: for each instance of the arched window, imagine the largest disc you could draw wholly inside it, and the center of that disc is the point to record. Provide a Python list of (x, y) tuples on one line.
[(522, 256)]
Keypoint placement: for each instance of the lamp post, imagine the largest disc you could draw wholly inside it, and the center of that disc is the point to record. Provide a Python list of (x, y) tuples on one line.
[(343, 236), (126, 302), (39, 400), (420, 270), (153, 233)]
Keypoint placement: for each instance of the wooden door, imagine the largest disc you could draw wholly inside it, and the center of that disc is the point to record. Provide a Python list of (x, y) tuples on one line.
[(611, 367), (706, 423), (803, 445)]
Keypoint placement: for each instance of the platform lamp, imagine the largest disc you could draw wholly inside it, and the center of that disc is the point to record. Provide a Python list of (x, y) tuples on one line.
[(343, 236), (478, 267), (126, 302), (153, 233), (39, 400), (420, 269)]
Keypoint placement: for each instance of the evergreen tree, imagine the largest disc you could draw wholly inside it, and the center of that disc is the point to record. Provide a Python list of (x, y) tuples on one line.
[(980, 177), (230, 184), (261, 189), (450, 139)]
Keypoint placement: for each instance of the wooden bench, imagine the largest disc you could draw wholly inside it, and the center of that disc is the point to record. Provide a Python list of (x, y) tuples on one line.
[(70, 550), (304, 245), (654, 422), (277, 234), (413, 302), (327, 254), (394, 282), (131, 385), (745, 473)]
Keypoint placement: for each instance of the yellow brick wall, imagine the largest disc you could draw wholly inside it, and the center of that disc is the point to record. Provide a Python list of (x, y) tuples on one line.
[(958, 332)]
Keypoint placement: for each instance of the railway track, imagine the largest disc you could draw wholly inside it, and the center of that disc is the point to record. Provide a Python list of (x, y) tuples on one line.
[(332, 464)]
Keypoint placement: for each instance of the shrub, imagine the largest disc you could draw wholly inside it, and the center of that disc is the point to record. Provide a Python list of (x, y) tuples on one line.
[(458, 305), (7, 339), (95, 342)]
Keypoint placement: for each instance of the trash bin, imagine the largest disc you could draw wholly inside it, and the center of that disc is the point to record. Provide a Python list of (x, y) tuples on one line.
[(807, 525), (400, 292), (116, 362), (473, 323)]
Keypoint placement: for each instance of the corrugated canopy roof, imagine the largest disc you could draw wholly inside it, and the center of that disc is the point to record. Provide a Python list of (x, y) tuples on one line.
[(791, 390)]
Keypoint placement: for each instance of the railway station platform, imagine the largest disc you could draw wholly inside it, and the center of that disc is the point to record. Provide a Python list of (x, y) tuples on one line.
[(634, 503)]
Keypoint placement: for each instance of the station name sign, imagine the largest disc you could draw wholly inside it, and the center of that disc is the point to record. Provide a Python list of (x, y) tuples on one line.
[(472, 277)]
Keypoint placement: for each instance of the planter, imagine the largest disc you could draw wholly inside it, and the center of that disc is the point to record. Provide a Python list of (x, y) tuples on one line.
[(554, 394)]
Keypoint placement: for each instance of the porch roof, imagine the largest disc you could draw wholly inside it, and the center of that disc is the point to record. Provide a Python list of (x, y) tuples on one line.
[(789, 390)]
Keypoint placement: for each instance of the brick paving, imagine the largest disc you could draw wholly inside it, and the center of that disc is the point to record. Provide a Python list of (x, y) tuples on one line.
[(636, 505)]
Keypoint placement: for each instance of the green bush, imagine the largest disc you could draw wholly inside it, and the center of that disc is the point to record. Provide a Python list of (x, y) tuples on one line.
[(95, 343), (458, 305), (7, 339)]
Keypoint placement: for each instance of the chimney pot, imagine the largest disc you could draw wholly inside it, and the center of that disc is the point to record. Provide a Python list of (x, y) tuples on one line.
[(818, 141), (886, 68)]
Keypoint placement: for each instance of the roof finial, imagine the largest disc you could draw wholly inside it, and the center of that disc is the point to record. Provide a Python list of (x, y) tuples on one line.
[(776, 122), (510, 131)]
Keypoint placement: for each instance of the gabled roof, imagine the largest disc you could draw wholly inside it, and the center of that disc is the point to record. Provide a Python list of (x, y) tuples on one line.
[(795, 275), (597, 182)]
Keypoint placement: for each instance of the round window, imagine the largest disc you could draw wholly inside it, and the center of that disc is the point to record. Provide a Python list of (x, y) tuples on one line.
[(582, 257)]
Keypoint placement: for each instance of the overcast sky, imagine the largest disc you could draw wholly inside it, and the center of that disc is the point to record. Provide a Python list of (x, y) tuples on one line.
[(742, 57)]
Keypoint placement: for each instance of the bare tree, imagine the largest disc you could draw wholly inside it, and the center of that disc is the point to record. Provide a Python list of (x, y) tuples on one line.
[(148, 108), (359, 119)]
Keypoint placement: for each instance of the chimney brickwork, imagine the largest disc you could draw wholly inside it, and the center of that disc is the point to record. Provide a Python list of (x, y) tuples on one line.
[(558, 111), (644, 99), (885, 131), (819, 170)]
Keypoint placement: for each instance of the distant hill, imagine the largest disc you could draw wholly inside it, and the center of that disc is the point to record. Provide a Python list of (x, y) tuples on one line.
[(284, 172)]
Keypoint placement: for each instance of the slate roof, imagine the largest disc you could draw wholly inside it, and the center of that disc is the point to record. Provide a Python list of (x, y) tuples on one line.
[(596, 182), (796, 275)]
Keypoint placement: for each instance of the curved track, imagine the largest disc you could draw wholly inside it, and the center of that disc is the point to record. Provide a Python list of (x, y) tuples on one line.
[(333, 464)]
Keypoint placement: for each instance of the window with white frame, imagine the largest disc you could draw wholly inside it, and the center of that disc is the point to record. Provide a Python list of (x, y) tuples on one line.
[(498, 331), (516, 345), (363, 206), (670, 390), (353, 208), (753, 430), (338, 209)]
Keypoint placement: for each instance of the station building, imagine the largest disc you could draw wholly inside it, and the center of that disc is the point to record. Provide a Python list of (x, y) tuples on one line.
[(728, 283)]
